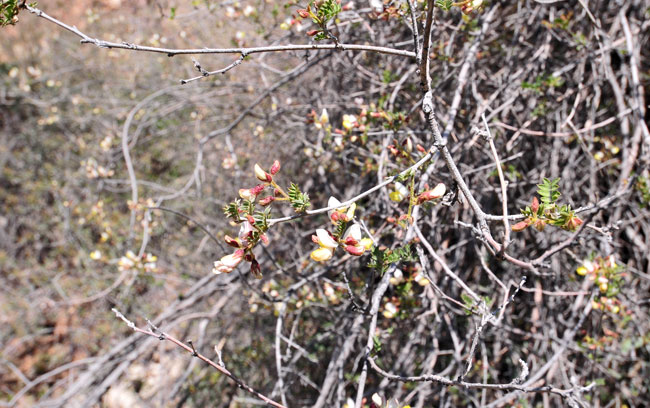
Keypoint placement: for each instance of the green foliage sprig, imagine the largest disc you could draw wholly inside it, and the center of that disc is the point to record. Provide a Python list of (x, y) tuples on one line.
[(548, 211), (9, 10), (445, 5), (321, 13), (382, 259), (299, 200)]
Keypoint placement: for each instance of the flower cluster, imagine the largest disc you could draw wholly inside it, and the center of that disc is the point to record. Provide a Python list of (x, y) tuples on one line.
[(94, 170), (602, 271), (320, 122), (605, 273), (253, 223), (351, 240), (146, 262)]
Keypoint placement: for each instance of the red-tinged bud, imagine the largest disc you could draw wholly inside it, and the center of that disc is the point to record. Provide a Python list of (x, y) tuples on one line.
[(534, 205), (402, 217), (275, 167), (521, 225), (266, 201), (312, 33), (351, 241), (257, 189), (233, 242), (376, 114), (355, 250), (277, 193), (437, 192), (256, 271), (420, 148), (303, 13), (336, 216), (348, 6), (249, 257), (264, 239), (250, 219), (390, 219), (540, 225), (573, 223), (339, 131), (314, 239)]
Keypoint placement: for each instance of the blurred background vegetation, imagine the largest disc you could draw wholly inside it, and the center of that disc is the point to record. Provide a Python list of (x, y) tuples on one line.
[(65, 227)]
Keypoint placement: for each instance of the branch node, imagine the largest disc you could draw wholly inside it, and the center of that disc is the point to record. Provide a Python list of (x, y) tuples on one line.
[(194, 353)]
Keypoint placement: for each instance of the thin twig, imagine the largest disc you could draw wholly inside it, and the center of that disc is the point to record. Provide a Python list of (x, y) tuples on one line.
[(190, 349)]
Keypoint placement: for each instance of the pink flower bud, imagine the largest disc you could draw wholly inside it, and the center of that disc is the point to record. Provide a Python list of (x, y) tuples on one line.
[(264, 239), (233, 242), (256, 271), (257, 189), (275, 167), (250, 219), (266, 201), (521, 225), (312, 33), (573, 223), (355, 250), (303, 13), (534, 206), (420, 148), (437, 192)]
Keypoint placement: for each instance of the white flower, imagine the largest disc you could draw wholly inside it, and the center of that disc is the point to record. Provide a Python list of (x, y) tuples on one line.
[(349, 121), (397, 278), (390, 310), (354, 232), (227, 263), (421, 279), (325, 240), (249, 10)]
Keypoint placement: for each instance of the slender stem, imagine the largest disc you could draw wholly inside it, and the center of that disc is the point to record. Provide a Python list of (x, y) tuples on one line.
[(190, 349), (85, 39), (349, 202)]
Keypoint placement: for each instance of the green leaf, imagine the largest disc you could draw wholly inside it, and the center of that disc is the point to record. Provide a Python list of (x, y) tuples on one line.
[(8, 12), (327, 11), (232, 210), (376, 344), (445, 5), (299, 200), (548, 191)]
